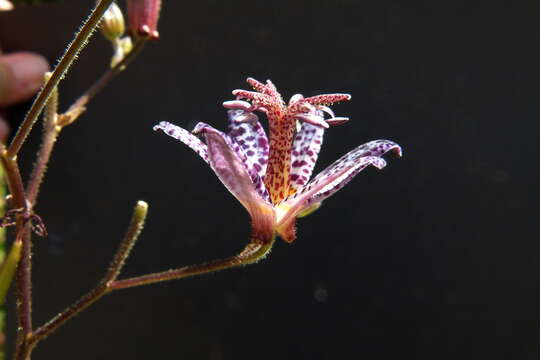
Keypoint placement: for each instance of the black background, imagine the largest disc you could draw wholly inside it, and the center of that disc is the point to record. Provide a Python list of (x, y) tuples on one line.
[(435, 257)]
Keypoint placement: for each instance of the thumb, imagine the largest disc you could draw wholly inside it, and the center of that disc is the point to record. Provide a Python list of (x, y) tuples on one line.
[(21, 76)]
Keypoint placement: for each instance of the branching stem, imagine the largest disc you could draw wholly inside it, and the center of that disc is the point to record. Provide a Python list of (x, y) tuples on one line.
[(50, 134), (79, 105), (132, 234), (81, 39), (253, 252), (16, 187)]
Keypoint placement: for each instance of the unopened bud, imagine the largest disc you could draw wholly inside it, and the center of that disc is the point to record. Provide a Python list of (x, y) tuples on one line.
[(143, 16), (122, 47), (112, 24)]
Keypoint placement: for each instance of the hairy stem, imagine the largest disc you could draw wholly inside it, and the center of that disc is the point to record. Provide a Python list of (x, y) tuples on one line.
[(132, 234), (5, 276), (54, 123), (252, 253), (24, 290), (23, 236), (79, 105), (14, 181), (50, 134), (81, 39), (15, 184)]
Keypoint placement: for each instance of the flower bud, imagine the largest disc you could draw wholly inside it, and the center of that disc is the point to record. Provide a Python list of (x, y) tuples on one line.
[(112, 24), (143, 17), (122, 47)]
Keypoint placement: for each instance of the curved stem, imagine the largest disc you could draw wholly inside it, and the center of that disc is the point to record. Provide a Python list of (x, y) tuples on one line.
[(252, 253), (50, 134), (14, 181), (54, 123), (78, 106), (132, 234), (81, 39)]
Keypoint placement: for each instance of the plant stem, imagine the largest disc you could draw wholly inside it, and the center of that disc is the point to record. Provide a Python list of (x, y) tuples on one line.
[(50, 134), (81, 39), (54, 123), (252, 253), (15, 184), (9, 265), (79, 105), (3, 247), (14, 181), (24, 290), (23, 236), (132, 234)]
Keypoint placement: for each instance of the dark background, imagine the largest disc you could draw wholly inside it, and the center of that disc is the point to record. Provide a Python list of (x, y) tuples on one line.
[(435, 257)]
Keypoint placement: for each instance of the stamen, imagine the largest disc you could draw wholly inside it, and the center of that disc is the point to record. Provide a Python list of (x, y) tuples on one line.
[(327, 110), (246, 117), (237, 105), (312, 119), (337, 120)]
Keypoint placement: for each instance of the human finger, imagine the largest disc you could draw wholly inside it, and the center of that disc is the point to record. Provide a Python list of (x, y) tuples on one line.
[(21, 76)]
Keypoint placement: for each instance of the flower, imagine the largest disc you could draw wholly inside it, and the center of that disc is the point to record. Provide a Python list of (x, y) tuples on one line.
[(143, 16), (270, 176)]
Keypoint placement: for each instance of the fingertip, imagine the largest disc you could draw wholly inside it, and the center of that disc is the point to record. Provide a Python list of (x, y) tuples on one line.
[(21, 76)]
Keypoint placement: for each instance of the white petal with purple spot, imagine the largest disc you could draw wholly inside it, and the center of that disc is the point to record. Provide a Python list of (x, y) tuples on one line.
[(339, 174), (373, 148), (184, 136), (246, 161), (252, 139), (305, 151), (231, 170)]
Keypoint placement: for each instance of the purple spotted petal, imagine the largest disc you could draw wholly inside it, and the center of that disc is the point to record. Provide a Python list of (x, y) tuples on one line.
[(338, 175), (232, 172), (184, 136), (234, 148), (373, 148), (306, 147), (252, 139)]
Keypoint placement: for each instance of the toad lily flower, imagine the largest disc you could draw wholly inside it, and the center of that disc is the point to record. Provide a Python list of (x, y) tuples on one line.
[(270, 176)]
